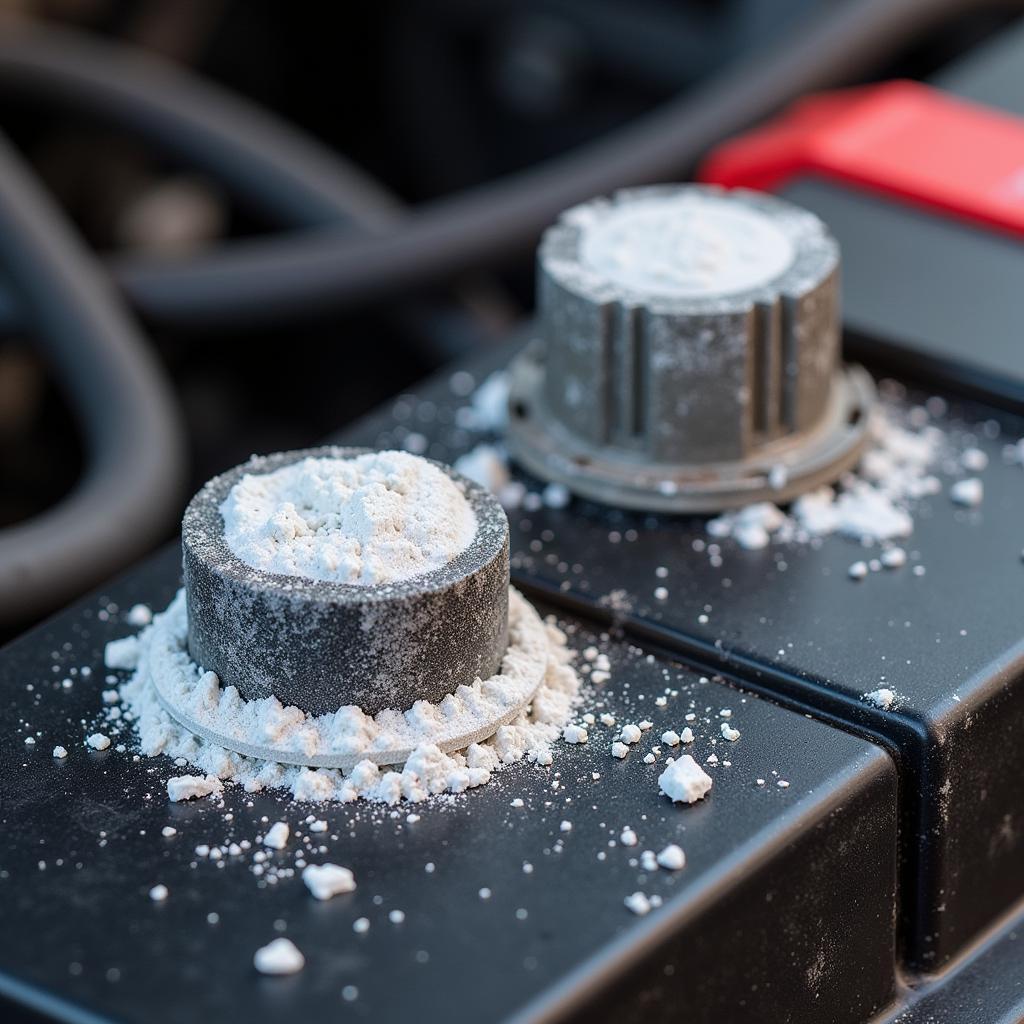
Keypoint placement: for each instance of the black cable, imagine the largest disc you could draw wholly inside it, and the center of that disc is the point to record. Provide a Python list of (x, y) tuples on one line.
[(272, 167), (136, 459), (279, 171), (114, 384), (252, 280)]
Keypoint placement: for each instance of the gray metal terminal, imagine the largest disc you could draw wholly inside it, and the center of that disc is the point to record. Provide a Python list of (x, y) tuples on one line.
[(319, 645), (689, 353)]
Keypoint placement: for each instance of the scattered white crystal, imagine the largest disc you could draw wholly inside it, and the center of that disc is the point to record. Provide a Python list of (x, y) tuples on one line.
[(974, 460), (968, 492), (684, 781), (139, 615), (574, 734), (883, 697), (327, 880), (191, 787), (893, 558), (122, 654), (638, 903), (279, 957), (672, 858), (556, 495), (277, 836)]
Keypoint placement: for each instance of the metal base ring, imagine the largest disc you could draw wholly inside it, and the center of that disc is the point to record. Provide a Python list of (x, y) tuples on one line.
[(621, 477)]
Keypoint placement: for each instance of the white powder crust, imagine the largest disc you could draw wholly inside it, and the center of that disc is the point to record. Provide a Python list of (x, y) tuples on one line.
[(266, 728), (192, 787), (123, 653), (883, 698), (372, 519), (870, 506), (426, 770)]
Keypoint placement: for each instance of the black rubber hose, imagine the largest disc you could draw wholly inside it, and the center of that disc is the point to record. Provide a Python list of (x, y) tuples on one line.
[(273, 168), (135, 474), (279, 172), (250, 281)]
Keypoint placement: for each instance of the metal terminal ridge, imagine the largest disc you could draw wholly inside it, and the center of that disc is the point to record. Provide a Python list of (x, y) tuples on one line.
[(689, 353)]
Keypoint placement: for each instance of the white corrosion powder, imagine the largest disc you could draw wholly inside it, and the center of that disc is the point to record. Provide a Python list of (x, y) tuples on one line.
[(638, 903), (192, 787), (327, 880), (870, 506), (277, 836), (968, 493), (281, 956), (373, 519), (883, 697), (681, 245), (672, 858), (684, 781), (426, 772)]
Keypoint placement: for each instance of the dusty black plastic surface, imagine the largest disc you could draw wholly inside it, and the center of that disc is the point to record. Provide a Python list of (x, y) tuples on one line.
[(987, 986), (83, 942), (786, 900), (951, 642), (939, 300)]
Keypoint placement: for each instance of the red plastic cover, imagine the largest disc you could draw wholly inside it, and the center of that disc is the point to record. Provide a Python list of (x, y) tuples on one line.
[(901, 138)]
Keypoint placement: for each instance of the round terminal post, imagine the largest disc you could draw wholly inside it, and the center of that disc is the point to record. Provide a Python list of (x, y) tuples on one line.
[(319, 645), (689, 353)]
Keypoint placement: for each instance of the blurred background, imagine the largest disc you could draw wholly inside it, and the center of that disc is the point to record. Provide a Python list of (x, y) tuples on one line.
[(293, 203)]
